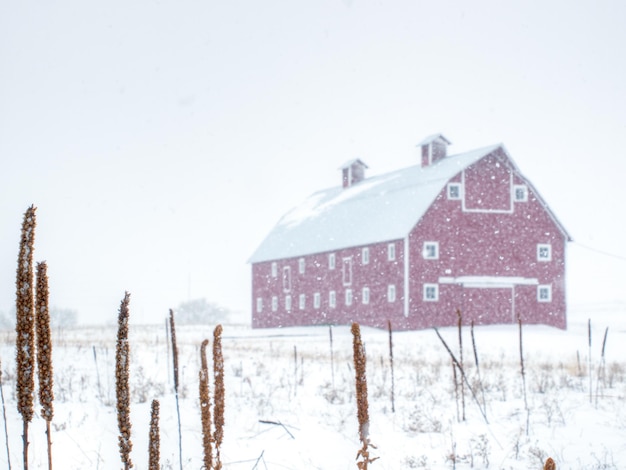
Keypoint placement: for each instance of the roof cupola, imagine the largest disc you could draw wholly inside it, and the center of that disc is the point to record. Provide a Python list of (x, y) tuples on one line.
[(352, 172), (433, 148)]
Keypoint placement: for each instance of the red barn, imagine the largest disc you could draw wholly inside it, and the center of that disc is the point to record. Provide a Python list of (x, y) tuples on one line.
[(464, 231)]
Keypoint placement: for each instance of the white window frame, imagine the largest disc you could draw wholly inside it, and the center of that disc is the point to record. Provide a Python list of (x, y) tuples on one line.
[(317, 300), (524, 191), (331, 261), (540, 248), (391, 293), (274, 269), (302, 301), (428, 288), (332, 299), (426, 252), (365, 255), (288, 303), (286, 279), (348, 297), (365, 296), (259, 304), (346, 271), (274, 303), (301, 265), (458, 187), (541, 288), (391, 252)]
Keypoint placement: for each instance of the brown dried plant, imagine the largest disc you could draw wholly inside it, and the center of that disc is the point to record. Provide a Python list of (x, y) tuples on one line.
[(25, 326), (218, 381), (361, 397), (154, 441), (44, 352), (175, 365), (122, 389), (550, 465), (205, 407)]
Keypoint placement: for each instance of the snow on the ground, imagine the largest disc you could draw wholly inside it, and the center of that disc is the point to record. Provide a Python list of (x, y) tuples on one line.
[(286, 376)]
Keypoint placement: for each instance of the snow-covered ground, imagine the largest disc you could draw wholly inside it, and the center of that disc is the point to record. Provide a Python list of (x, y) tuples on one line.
[(286, 376)]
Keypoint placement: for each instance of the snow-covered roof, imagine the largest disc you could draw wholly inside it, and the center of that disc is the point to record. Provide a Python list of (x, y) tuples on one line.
[(432, 138), (352, 162), (380, 208)]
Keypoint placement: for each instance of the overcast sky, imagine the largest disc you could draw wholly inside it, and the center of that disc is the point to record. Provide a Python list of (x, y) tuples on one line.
[(162, 140)]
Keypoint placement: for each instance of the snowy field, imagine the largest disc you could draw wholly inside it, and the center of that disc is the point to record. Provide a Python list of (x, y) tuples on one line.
[(286, 376)]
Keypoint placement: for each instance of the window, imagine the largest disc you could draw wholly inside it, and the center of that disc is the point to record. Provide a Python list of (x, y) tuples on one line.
[(302, 301), (544, 293), (317, 300), (347, 271), (454, 191), (274, 270), (431, 250), (365, 256), (331, 261), (520, 193), (332, 299), (431, 292), (274, 303), (391, 252), (288, 303), (348, 297), (286, 279), (544, 252), (259, 304), (301, 265), (391, 293), (365, 295)]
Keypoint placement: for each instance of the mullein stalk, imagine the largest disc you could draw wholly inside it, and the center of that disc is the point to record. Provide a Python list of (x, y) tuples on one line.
[(205, 407), (122, 389), (218, 383), (154, 440), (361, 398), (25, 326), (44, 353), (175, 370)]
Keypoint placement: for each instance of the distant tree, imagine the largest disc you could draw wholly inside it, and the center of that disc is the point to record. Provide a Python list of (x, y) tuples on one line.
[(63, 317), (200, 312)]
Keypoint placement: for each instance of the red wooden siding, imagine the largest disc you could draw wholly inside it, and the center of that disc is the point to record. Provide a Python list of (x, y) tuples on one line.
[(377, 275), (487, 244)]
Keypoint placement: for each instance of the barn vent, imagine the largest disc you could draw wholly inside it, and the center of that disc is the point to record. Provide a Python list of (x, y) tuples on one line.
[(433, 148), (352, 172)]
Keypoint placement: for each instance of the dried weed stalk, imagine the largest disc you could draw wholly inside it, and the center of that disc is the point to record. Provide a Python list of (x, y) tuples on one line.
[(205, 407), (154, 442), (218, 381), (175, 364), (25, 326), (44, 352), (550, 465), (122, 389), (361, 397)]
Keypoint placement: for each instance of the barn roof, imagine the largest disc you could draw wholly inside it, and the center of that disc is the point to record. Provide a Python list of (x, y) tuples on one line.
[(380, 208)]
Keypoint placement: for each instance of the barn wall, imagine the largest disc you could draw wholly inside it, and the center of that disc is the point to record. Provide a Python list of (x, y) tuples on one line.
[(377, 275), (487, 244)]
